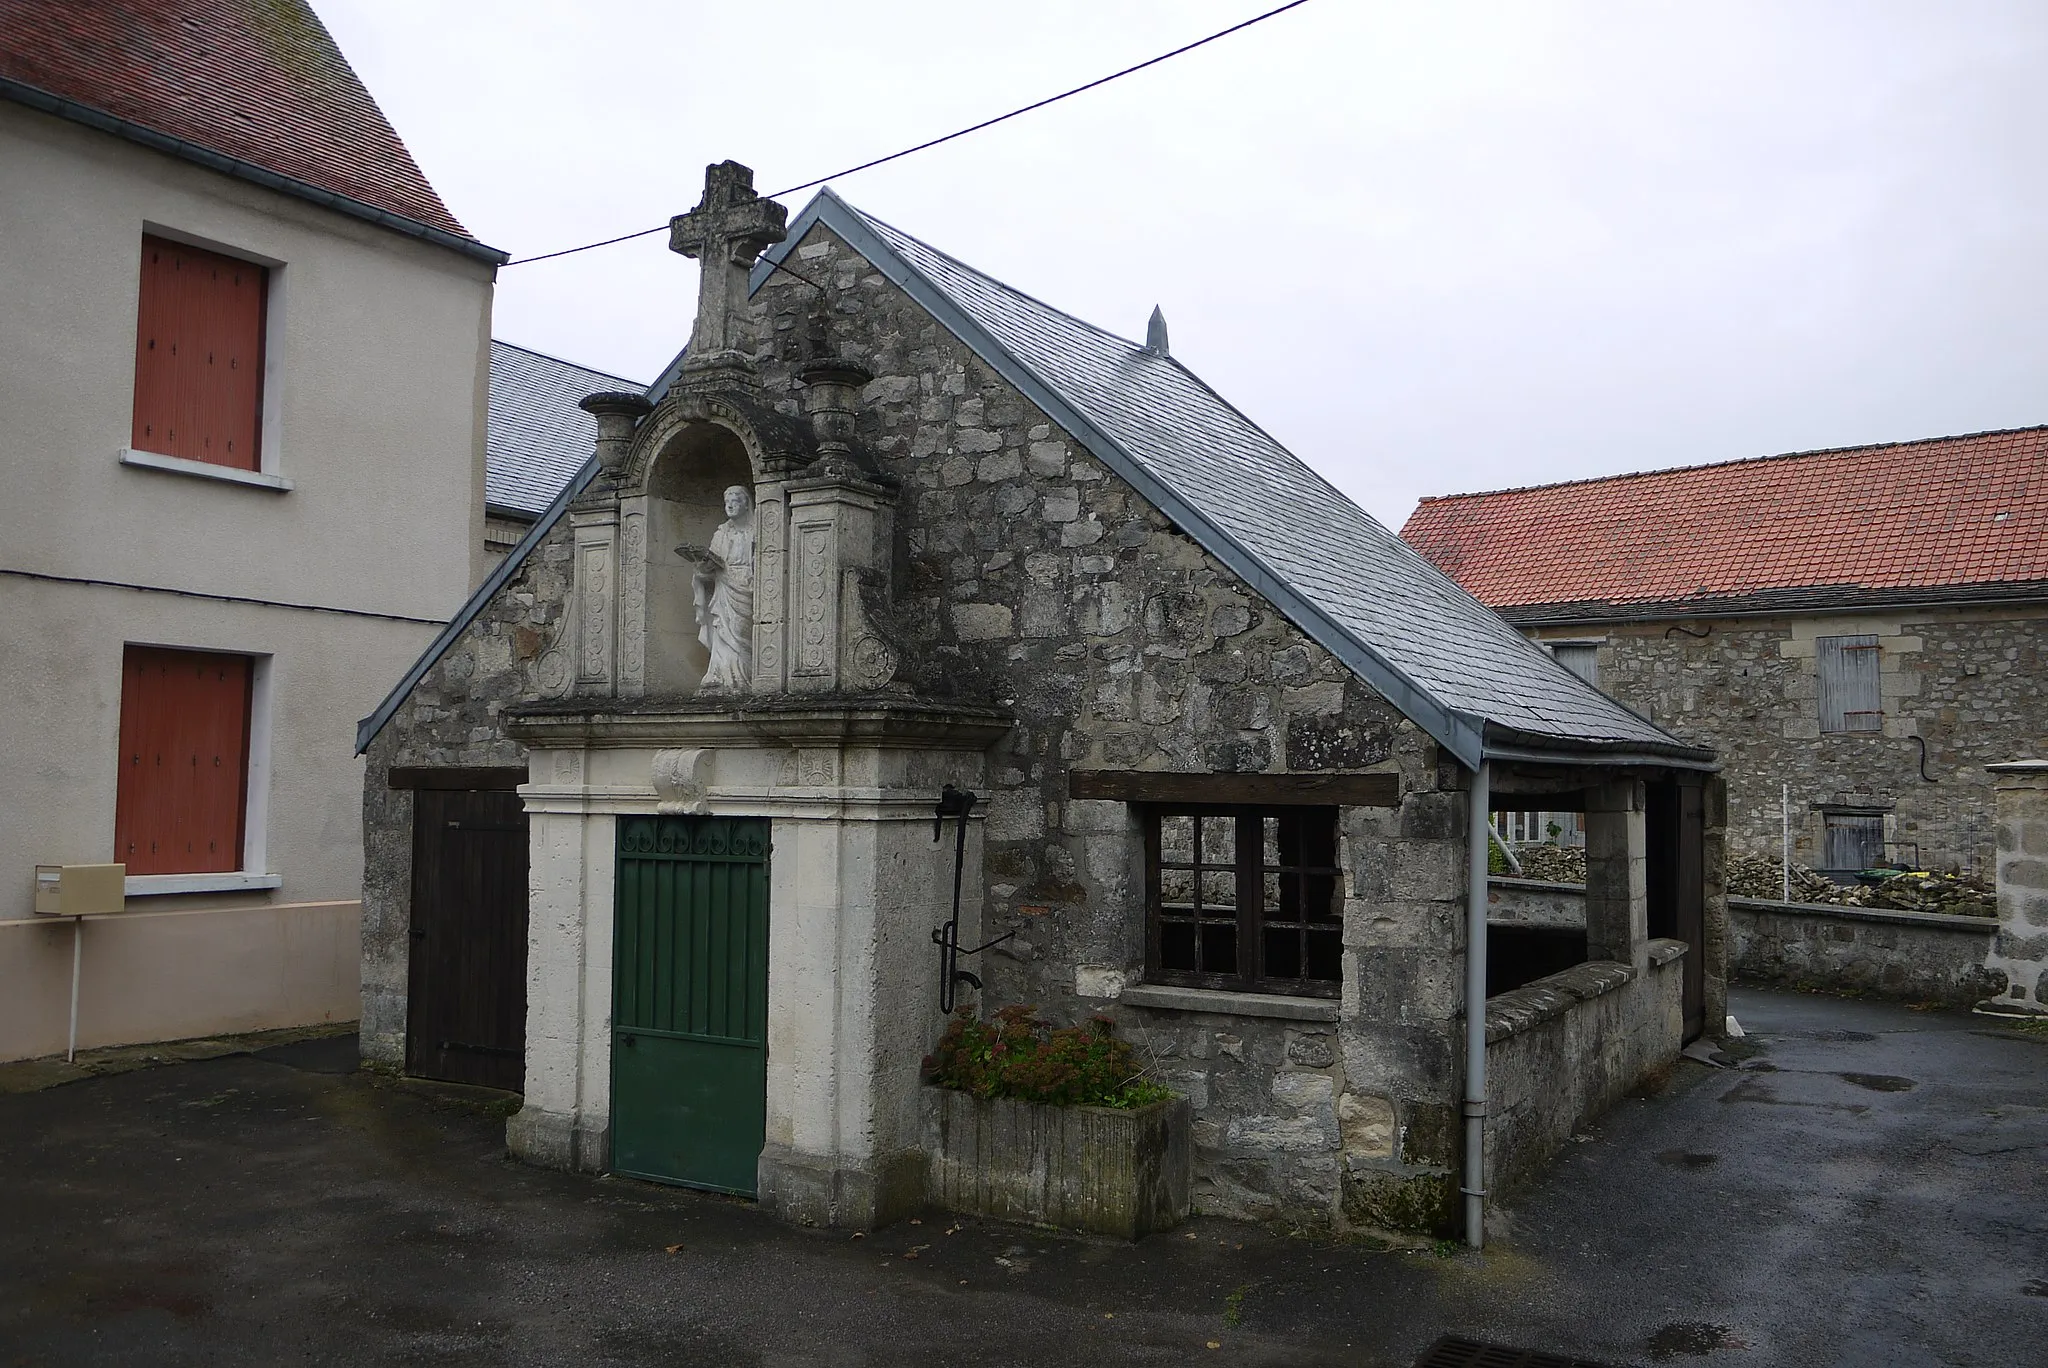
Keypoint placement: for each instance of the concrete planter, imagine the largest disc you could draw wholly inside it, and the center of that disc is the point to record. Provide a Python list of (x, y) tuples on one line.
[(1099, 1169)]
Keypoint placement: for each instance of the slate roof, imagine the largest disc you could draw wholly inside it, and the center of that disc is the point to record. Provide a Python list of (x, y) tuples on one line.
[(258, 82), (537, 438), (1436, 653), (1953, 517), (1447, 661)]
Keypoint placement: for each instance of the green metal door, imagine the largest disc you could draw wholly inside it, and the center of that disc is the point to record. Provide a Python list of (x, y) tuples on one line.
[(690, 1001)]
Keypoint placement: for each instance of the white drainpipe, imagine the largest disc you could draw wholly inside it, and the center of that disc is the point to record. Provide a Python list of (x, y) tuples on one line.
[(1478, 829)]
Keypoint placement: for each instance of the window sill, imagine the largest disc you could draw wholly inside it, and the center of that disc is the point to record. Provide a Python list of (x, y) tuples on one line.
[(148, 885), (1219, 1003), (205, 470)]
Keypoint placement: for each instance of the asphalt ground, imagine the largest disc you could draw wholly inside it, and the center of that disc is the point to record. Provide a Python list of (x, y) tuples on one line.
[(1866, 1188)]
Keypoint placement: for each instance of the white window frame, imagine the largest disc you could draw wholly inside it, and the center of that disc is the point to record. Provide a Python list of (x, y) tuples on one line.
[(269, 472)]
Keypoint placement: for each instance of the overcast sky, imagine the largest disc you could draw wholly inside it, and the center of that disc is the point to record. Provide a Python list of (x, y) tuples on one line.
[(1431, 247)]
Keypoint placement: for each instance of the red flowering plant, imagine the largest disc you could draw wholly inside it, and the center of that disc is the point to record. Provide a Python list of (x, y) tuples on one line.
[(1018, 1055)]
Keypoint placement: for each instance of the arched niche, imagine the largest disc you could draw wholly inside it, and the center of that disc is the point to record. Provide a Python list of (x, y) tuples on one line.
[(683, 502)]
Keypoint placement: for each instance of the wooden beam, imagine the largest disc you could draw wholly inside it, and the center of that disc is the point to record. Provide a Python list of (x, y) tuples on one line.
[(1273, 790), (463, 777), (1564, 800)]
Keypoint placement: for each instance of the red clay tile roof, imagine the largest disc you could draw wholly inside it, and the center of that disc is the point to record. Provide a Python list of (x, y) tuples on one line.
[(1859, 523), (258, 80)]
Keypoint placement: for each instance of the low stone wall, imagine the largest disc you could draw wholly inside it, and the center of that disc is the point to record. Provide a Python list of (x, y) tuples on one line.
[(1565, 1048), (1916, 956)]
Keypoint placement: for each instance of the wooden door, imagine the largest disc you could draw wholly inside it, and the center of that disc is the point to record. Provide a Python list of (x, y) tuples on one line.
[(466, 1011), (690, 1001)]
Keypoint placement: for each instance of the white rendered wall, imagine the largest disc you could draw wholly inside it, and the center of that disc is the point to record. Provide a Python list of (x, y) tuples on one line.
[(376, 380)]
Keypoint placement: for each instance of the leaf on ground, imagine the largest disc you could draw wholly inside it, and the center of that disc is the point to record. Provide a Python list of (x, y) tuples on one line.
[(672, 1249)]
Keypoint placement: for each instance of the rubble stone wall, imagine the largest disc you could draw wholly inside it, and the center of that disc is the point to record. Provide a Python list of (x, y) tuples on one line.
[(1028, 569), (1971, 683), (1912, 956)]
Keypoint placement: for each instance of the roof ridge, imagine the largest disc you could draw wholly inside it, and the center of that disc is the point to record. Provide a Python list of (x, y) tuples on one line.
[(1722, 465), (565, 361), (993, 280)]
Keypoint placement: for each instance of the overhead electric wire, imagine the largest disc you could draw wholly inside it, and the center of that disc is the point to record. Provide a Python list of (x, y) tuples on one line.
[(957, 133)]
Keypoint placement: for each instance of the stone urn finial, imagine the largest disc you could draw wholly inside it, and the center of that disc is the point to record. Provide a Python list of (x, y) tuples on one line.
[(832, 398), (617, 412)]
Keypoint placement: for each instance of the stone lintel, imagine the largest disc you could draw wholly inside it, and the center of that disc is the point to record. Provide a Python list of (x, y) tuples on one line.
[(1219, 1003)]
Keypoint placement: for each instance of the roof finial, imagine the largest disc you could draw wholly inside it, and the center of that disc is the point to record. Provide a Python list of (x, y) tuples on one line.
[(1155, 333)]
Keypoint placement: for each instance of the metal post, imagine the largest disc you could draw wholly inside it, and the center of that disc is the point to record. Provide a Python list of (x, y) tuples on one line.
[(1479, 824), (77, 958), (1785, 843)]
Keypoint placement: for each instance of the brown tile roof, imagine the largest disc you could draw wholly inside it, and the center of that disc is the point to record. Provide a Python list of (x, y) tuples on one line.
[(1858, 524), (257, 80)]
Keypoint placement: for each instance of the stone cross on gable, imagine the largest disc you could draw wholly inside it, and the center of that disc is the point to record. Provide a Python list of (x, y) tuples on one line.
[(726, 231)]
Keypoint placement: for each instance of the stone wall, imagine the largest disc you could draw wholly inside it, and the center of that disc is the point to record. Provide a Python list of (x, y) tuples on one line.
[(1913, 956), (451, 718), (1972, 683), (1565, 1048)]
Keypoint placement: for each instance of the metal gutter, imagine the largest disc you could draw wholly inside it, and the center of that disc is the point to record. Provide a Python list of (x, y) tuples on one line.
[(1542, 757), (1458, 732), (1669, 612), (39, 99), (367, 729), (1479, 828)]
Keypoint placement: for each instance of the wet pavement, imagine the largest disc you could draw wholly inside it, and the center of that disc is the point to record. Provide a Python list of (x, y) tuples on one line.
[(1869, 1188)]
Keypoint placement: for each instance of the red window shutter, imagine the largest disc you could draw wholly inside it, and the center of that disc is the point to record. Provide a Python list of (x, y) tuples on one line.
[(199, 355), (184, 761)]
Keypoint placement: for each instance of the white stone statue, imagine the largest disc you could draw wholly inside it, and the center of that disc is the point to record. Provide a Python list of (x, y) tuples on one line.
[(725, 595)]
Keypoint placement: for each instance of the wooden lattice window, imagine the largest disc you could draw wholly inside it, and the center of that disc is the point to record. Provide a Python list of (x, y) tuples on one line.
[(179, 803), (1244, 898), (199, 355), (1850, 700)]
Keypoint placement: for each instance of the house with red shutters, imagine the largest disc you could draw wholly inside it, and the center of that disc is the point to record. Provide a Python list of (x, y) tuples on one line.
[(1858, 633), (244, 366)]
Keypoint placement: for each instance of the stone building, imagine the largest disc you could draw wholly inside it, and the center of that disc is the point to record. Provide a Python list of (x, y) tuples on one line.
[(238, 318), (889, 526), (1858, 629)]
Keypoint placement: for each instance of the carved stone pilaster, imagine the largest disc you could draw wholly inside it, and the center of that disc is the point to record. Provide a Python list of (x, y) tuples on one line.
[(596, 535), (839, 531), (771, 600), (632, 671)]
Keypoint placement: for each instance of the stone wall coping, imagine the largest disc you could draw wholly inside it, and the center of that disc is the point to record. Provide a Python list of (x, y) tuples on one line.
[(1534, 885), (1217, 1002), (1545, 999), (1666, 951), (1942, 921), (1896, 916)]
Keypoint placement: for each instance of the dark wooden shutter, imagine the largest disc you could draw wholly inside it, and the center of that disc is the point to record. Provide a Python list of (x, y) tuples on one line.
[(199, 355), (184, 761), (1849, 699)]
